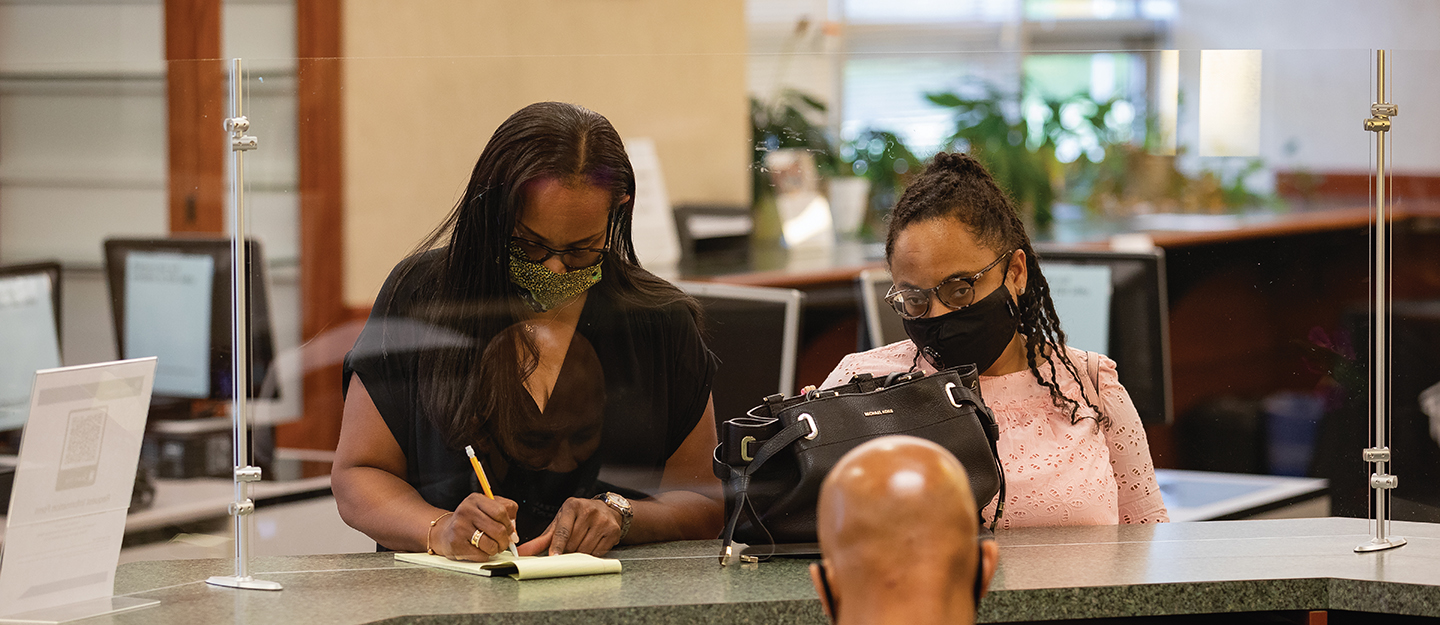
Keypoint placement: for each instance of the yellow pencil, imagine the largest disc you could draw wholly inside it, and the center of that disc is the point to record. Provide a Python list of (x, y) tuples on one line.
[(485, 485)]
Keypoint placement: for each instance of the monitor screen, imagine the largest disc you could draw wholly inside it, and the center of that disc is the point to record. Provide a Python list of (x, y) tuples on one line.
[(29, 335), (171, 299), (172, 293), (1082, 299), (754, 333)]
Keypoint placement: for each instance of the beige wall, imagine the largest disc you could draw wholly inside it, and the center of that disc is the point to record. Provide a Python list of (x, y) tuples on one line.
[(427, 83)]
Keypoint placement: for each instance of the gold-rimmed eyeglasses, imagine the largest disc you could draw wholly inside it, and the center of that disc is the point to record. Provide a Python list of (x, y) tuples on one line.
[(955, 293)]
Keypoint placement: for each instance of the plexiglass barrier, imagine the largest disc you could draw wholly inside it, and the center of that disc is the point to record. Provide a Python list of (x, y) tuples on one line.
[(766, 150)]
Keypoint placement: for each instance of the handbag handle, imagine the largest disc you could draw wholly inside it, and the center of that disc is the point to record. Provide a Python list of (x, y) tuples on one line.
[(992, 432), (740, 478), (987, 418)]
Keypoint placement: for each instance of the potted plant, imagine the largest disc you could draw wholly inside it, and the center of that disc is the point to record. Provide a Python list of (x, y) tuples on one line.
[(881, 158), (786, 123), (983, 130)]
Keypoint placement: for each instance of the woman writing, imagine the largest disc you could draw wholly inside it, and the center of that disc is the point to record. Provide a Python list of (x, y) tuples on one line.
[(970, 290), (525, 328)]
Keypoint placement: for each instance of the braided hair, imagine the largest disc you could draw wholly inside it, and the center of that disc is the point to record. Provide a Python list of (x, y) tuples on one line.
[(958, 187)]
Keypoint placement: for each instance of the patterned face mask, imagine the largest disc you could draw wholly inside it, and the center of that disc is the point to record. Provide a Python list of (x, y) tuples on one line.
[(543, 289)]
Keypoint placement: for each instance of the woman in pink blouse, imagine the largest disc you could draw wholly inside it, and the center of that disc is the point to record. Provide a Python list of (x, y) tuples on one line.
[(970, 291)]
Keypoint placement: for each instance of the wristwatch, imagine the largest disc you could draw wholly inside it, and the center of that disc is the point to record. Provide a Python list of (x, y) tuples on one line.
[(621, 505)]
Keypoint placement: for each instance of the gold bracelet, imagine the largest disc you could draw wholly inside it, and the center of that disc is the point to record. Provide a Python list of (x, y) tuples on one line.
[(432, 528)]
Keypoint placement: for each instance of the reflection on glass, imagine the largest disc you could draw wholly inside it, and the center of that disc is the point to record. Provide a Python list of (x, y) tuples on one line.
[(555, 372), (1235, 167), (1229, 101), (546, 430)]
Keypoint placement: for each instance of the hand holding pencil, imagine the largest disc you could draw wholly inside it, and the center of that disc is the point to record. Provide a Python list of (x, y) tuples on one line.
[(485, 485), (479, 528)]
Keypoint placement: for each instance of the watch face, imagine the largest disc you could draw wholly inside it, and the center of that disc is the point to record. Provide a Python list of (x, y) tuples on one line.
[(617, 500)]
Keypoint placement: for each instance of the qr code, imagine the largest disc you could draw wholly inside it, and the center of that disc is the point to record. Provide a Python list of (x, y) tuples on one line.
[(82, 441), (80, 459)]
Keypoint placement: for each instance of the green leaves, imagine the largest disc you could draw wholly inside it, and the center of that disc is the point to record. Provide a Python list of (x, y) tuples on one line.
[(999, 141), (948, 100), (883, 158)]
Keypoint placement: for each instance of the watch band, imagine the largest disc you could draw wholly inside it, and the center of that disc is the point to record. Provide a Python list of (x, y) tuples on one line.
[(621, 505)]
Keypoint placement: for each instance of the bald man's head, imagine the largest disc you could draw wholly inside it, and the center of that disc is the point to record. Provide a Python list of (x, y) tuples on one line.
[(897, 525)]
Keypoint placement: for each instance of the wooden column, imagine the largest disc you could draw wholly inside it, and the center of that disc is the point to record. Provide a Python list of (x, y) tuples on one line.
[(318, 46), (195, 98)]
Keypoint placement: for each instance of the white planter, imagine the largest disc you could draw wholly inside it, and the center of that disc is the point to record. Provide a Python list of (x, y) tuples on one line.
[(849, 198)]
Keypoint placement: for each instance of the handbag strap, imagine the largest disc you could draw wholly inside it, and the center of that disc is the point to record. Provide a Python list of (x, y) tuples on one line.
[(1092, 368), (992, 433), (1094, 372), (740, 478)]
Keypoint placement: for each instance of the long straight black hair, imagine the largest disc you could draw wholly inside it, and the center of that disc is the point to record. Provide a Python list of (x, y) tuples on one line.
[(956, 186), (467, 288)]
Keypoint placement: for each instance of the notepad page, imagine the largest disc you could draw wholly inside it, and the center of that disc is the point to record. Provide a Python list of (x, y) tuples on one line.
[(565, 565), (525, 567), (442, 562)]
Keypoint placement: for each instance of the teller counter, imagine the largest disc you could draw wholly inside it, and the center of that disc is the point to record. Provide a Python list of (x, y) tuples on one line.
[(1287, 567)]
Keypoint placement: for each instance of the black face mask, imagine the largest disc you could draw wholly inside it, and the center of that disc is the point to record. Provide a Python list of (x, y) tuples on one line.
[(978, 333)]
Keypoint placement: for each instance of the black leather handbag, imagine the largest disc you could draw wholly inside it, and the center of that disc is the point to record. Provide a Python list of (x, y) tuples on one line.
[(773, 460)]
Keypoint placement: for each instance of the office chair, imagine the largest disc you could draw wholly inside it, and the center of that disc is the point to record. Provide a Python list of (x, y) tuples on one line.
[(755, 334), (880, 325)]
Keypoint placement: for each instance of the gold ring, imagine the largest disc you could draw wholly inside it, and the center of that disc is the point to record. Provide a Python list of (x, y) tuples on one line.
[(475, 538)]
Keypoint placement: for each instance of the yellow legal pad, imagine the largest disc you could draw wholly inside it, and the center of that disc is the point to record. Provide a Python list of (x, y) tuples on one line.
[(523, 567)]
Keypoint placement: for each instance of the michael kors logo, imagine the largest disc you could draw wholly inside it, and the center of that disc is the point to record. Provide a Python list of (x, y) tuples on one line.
[(872, 413)]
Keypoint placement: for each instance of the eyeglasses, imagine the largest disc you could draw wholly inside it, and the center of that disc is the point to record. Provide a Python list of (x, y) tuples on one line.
[(574, 258), (955, 293)]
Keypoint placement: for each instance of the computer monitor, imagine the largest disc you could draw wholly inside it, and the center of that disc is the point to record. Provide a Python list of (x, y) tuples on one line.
[(1114, 303), (755, 334), (170, 298), (29, 335)]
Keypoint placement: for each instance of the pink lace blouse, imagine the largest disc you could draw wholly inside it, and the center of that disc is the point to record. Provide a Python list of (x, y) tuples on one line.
[(1056, 472)]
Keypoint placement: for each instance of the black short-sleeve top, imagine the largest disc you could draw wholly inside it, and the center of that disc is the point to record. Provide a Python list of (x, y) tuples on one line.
[(657, 377)]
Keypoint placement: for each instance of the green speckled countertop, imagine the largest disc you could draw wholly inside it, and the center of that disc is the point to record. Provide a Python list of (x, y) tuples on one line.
[(1045, 574)]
